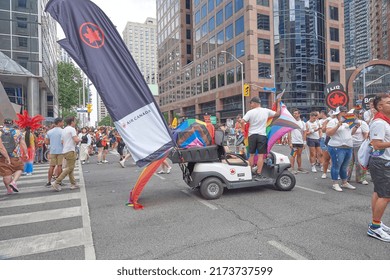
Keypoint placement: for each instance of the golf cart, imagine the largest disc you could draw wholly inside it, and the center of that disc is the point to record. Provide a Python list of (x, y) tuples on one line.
[(211, 169)]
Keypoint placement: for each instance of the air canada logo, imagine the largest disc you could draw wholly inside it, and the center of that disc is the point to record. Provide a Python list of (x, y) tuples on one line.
[(337, 98), (232, 171), (92, 35)]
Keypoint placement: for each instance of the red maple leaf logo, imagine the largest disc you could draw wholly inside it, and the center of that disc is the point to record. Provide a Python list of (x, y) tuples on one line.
[(92, 35), (337, 99)]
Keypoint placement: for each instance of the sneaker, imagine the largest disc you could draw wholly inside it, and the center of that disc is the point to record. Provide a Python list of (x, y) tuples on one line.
[(323, 176), (295, 172), (322, 169), (13, 186), (161, 172), (301, 170), (9, 191), (105, 161), (48, 185), (28, 174), (55, 186), (313, 169), (337, 188), (379, 233), (169, 170), (99, 162), (122, 163), (261, 178), (83, 162), (74, 187), (364, 182), (348, 186), (385, 228)]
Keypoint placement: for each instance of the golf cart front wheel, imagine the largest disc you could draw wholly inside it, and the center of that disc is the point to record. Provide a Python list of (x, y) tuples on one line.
[(211, 188), (285, 181)]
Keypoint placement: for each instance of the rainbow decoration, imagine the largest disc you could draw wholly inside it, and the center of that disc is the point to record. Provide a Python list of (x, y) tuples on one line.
[(276, 128), (350, 120)]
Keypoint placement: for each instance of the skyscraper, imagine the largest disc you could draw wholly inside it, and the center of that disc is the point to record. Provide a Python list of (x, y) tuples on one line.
[(380, 28)]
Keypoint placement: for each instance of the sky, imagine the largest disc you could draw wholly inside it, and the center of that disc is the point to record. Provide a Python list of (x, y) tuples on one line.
[(120, 12)]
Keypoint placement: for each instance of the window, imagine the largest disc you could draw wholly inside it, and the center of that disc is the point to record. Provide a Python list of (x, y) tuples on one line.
[(213, 83), (221, 80), (22, 42), (334, 55), (217, 2), (22, 22), (188, 4), (229, 58), (230, 76), (238, 4), (264, 3), (204, 10), (204, 29), (229, 32), (263, 22), (196, 2), (264, 70), (263, 46), (211, 24), (220, 38), (334, 13), (188, 19), (238, 73), (228, 10), (221, 59), (188, 34), (212, 43), (240, 49), (22, 3), (219, 17), (197, 34), (334, 34), (189, 49), (205, 85), (240, 25), (213, 62), (197, 17), (334, 76), (211, 5)]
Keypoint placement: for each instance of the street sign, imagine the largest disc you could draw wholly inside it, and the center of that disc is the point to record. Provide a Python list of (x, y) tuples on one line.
[(81, 110), (270, 88)]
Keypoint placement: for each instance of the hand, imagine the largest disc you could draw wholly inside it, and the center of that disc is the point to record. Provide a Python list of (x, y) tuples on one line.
[(8, 160), (26, 156)]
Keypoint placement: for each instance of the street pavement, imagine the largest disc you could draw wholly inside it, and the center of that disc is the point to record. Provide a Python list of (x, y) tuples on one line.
[(310, 222)]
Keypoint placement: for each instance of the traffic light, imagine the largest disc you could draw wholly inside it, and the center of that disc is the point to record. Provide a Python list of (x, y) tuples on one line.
[(89, 107), (247, 90)]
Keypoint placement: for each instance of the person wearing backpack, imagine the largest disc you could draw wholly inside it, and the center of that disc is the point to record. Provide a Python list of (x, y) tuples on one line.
[(11, 165), (379, 165)]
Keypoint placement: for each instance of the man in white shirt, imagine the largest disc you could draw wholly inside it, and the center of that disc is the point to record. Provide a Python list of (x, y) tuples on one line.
[(296, 141), (69, 140), (257, 118), (380, 167)]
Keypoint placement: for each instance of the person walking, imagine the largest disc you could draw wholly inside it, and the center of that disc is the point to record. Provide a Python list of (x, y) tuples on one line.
[(380, 167), (324, 143), (12, 147), (257, 118), (84, 144), (296, 140), (40, 140), (165, 168), (69, 140), (54, 142), (313, 135), (340, 148)]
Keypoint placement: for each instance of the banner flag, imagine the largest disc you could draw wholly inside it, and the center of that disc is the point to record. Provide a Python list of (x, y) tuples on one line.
[(94, 43)]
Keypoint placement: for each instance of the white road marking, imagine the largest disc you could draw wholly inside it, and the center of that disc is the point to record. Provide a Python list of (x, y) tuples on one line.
[(286, 250), (307, 189), (211, 206), (42, 243), (40, 200), (161, 177)]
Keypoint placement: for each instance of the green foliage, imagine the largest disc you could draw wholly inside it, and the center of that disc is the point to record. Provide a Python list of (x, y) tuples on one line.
[(106, 121), (69, 82)]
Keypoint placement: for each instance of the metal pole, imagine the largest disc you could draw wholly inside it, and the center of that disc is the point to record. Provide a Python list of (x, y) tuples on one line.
[(83, 101)]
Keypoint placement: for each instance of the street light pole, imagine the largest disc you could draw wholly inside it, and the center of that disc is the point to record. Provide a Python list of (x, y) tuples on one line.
[(370, 83), (242, 80)]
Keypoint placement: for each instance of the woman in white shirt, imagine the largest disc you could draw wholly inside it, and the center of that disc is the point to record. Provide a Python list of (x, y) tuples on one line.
[(84, 144), (340, 148), (359, 134)]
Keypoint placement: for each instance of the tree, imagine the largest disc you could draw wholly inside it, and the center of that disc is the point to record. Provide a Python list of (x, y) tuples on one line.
[(69, 83), (106, 121)]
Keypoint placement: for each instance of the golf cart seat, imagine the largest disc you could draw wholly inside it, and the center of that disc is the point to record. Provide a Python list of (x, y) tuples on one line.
[(229, 158)]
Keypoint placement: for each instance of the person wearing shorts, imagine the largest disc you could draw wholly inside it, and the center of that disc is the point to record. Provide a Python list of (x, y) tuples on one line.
[(313, 135), (296, 140), (380, 167), (257, 118), (11, 165), (53, 138)]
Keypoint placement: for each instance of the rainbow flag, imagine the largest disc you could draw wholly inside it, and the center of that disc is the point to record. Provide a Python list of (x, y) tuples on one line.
[(276, 128), (350, 120)]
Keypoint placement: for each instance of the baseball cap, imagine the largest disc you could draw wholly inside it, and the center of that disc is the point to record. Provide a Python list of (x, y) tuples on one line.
[(256, 100), (339, 110)]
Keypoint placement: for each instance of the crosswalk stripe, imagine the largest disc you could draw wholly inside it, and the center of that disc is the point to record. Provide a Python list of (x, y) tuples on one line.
[(39, 216), (32, 181), (37, 189), (39, 200), (42, 171), (42, 243)]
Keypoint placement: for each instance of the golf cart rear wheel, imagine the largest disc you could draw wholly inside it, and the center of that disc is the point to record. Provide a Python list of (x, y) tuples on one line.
[(285, 181), (211, 188)]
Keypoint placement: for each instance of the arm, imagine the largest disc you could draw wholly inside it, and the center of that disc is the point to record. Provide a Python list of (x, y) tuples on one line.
[(289, 139), (378, 144), (330, 131), (278, 110)]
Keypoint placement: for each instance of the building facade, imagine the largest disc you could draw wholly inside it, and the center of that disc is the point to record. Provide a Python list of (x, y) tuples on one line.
[(380, 28), (295, 46), (28, 37), (140, 39)]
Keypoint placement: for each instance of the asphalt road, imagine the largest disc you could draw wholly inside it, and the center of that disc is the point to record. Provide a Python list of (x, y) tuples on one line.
[(310, 222)]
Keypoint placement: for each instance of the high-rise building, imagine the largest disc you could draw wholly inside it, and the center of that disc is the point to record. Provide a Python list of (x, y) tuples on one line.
[(140, 39), (28, 37), (380, 29), (357, 32), (203, 45)]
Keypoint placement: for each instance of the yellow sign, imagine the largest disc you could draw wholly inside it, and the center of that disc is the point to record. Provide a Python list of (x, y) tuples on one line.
[(247, 90), (89, 107)]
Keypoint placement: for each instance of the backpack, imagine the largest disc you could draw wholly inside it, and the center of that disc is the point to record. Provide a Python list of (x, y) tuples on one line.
[(8, 141), (364, 153)]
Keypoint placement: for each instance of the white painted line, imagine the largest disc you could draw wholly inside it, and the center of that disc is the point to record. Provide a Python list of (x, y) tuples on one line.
[(13, 248), (211, 206), (89, 248), (43, 180), (161, 177), (40, 172), (39, 216), (40, 200), (307, 189), (34, 189), (286, 250)]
